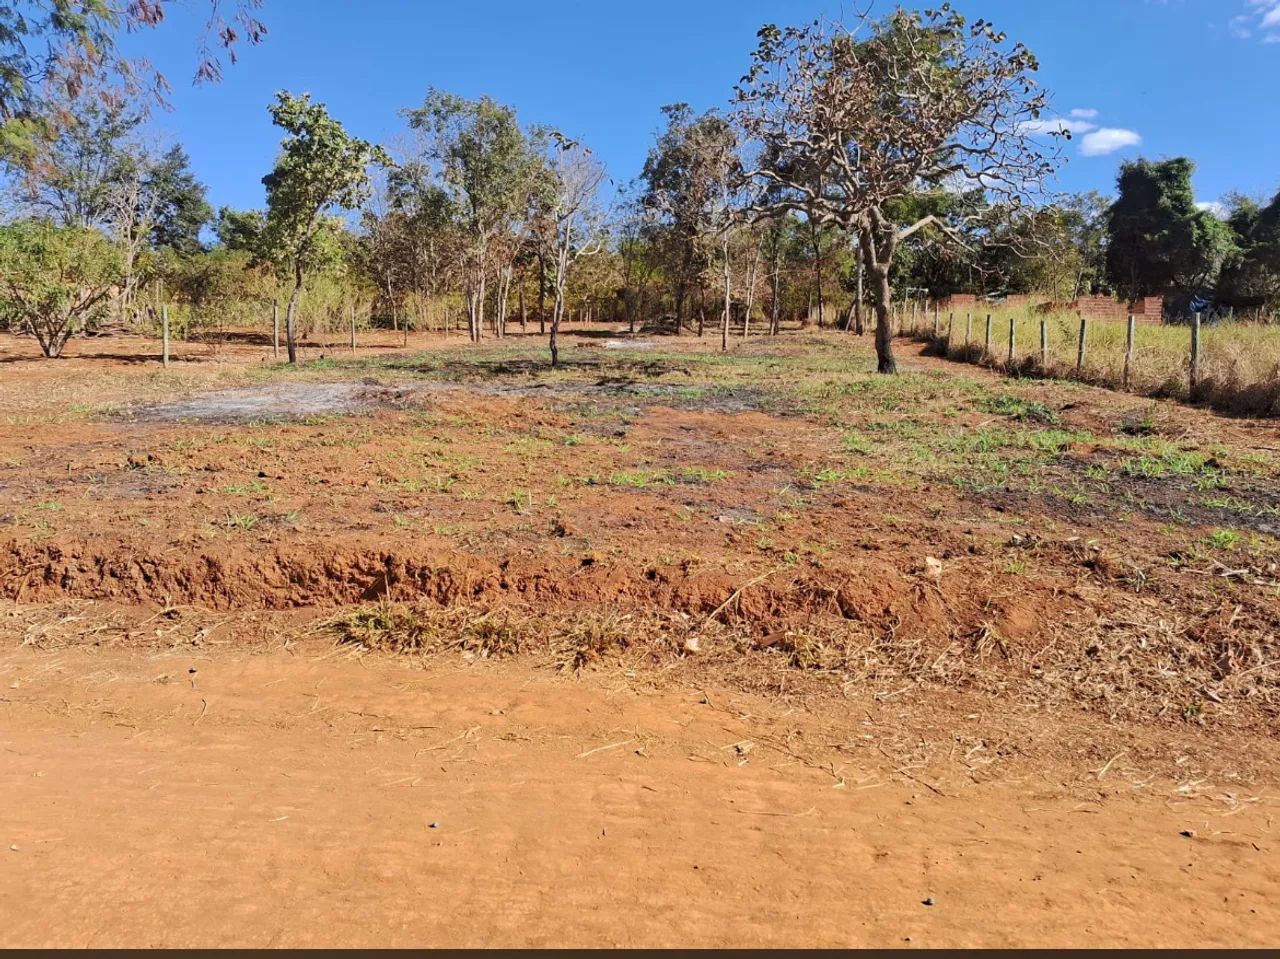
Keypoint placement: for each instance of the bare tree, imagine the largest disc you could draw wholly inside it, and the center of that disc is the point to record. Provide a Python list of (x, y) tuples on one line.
[(574, 217), (848, 119), (716, 162), (132, 210), (757, 238), (637, 231)]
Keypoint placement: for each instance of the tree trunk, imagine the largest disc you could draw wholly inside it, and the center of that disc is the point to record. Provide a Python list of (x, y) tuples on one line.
[(885, 362), (634, 304), (504, 299), (857, 303), (524, 314), (775, 318), (728, 297), (557, 314), (542, 293), (751, 289), (52, 337), (682, 296), (817, 270), (291, 314), (477, 326)]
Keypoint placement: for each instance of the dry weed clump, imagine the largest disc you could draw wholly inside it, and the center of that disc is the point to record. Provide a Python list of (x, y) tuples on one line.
[(568, 640), (1237, 377), (404, 628), (1142, 661)]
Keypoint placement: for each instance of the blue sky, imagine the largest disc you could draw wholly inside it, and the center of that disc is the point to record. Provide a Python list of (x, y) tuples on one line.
[(1134, 77)]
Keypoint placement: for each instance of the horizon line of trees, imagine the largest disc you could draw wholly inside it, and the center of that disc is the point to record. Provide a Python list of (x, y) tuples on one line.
[(842, 175)]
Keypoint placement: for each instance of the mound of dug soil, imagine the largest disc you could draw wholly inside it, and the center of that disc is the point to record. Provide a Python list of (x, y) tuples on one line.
[(869, 620)]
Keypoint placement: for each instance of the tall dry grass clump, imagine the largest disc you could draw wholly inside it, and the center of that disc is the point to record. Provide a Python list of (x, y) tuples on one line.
[(1238, 370)]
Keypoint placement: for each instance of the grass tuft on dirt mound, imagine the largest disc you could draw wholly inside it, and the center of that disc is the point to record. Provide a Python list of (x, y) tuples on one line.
[(572, 641)]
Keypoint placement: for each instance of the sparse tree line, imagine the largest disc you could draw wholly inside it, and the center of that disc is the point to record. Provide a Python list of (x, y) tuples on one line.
[(855, 166)]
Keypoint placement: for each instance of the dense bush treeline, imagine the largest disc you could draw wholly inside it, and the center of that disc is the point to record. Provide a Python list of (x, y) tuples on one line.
[(842, 177)]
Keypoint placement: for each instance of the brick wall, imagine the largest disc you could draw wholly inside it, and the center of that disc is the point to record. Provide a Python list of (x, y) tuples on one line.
[(958, 301), (1149, 309), (1020, 301), (1101, 308)]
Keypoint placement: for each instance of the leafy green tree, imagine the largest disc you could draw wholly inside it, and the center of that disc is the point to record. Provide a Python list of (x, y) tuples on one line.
[(1084, 216), (1251, 276), (97, 172), (180, 210), (321, 169), (240, 230), (492, 169), (75, 175), (412, 239), (55, 280), (926, 261), (1158, 241), (54, 49), (212, 289), (681, 179)]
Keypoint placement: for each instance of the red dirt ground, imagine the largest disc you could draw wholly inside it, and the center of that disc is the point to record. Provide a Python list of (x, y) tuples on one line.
[(1047, 705)]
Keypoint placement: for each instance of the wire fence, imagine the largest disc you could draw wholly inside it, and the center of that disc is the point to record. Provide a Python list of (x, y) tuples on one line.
[(1231, 366)]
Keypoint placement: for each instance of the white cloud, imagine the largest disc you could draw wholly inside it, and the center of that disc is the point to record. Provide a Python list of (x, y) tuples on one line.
[(1261, 16), (1052, 125), (1094, 140), (1216, 207), (1108, 140)]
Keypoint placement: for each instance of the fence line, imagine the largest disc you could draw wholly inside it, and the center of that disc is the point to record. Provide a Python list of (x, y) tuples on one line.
[(1230, 366)]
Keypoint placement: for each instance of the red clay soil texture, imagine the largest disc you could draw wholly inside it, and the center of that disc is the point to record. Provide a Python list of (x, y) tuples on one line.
[(770, 627)]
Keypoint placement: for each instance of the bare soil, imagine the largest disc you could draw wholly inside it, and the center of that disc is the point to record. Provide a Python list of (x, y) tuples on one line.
[(785, 650)]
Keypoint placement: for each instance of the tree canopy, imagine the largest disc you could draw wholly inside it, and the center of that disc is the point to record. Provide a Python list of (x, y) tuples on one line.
[(1158, 241), (321, 168), (55, 279), (848, 120), (53, 51)]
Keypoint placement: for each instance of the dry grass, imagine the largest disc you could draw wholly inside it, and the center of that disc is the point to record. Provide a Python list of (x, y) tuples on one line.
[(1143, 662), (570, 641), (1239, 362)]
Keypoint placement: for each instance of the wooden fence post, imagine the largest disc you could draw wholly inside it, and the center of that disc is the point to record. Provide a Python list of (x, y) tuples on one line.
[(968, 331), (353, 327), (986, 347), (1084, 335), (1195, 352), (1044, 345), (164, 332), (1128, 353), (1013, 322), (951, 325), (937, 322), (275, 330)]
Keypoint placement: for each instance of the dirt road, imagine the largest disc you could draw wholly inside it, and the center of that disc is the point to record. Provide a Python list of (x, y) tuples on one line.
[(304, 798)]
